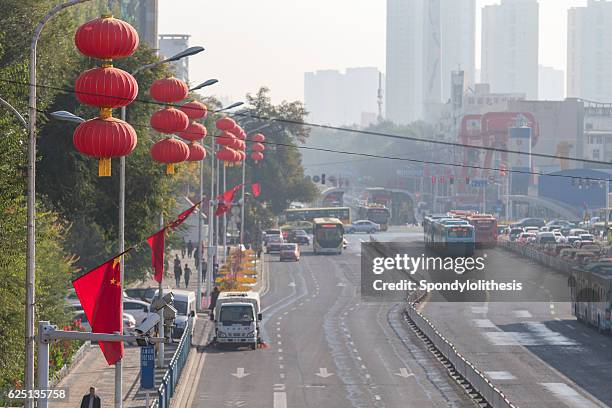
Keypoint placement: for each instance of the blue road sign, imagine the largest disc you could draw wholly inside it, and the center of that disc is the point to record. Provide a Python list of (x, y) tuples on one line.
[(147, 368)]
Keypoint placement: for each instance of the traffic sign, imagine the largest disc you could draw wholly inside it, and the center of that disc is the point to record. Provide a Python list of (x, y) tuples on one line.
[(147, 368), (479, 183)]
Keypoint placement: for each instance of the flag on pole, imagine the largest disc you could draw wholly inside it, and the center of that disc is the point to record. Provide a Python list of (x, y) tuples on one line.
[(157, 244), (99, 292), (183, 216), (225, 200), (256, 189)]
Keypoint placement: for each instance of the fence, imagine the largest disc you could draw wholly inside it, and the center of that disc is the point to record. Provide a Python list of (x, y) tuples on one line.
[(171, 377)]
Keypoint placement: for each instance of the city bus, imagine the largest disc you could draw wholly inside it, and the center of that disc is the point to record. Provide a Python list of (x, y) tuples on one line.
[(485, 228), (328, 236), (591, 294), (309, 214), (375, 213)]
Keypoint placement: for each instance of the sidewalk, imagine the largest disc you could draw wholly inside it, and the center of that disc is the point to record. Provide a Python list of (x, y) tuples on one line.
[(93, 370)]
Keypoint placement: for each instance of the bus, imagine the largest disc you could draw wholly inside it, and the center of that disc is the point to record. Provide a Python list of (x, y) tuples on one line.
[(375, 213), (309, 214), (591, 294), (485, 227), (328, 236), (450, 236)]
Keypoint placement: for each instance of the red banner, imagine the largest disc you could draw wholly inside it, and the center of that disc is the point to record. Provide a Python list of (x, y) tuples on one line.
[(157, 244)]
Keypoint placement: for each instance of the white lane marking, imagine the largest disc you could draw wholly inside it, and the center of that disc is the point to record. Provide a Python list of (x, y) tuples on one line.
[(278, 323), (280, 343), (323, 373), (603, 345), (280, 358), (480, 309), (568, 395), (280, 350), (569, 327), (483, 323), (278, 335), (281, 366), (377, 397), (500, 375), (282, 375), (403, 372), (539, 335), (585, 335), (525, 314), (280, 400), (292, 284), (240, 373), (558, 319)]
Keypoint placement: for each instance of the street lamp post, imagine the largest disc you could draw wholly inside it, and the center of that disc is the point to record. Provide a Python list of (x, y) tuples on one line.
[(31, 201)]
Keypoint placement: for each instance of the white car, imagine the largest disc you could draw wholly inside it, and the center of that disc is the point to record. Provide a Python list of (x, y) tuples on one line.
[(137, 308), (129, 323), (561, 239), (531, 229), (367, 226)]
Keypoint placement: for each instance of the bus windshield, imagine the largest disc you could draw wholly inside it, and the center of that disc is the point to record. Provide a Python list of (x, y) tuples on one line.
[(329, 236)]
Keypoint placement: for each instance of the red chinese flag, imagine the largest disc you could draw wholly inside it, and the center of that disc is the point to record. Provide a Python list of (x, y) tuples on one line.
[(99, 292), (225, 200), (157, 244), (183, 216), (256, 189)]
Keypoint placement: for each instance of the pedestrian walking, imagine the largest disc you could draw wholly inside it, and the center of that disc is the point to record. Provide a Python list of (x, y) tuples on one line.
[(187, 273), (177, 270), (196, 257), (183, 248), (213, 298), (91, 400), (259, 253), (189, 249)]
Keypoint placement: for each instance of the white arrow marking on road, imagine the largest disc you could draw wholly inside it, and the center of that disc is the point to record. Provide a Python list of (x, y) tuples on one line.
[(323, 373), (292, 284), (340, 284), (240, 373), (403, 372)]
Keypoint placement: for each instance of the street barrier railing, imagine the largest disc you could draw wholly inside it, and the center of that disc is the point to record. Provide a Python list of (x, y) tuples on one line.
[(172, 376)]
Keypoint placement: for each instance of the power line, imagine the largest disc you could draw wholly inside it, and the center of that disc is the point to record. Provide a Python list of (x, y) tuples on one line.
[(343, 129)]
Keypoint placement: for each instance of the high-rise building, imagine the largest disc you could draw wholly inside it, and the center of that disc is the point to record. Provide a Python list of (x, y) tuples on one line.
[(510, 47), (426, 41), (171, 44), (589, 52), (143, 15), (551, 84), (334, 98)]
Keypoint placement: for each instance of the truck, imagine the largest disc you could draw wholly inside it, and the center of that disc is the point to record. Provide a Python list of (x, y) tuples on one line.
[(237, 317)]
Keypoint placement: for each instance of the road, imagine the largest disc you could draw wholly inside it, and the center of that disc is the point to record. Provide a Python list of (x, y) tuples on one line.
[(326, 348)]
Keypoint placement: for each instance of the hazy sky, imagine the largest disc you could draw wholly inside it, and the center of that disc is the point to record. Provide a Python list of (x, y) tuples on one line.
[(273, 42)]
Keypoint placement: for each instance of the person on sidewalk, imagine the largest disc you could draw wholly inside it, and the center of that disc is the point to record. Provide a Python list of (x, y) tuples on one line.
[(196, 257), (183, 248), (177, 270), (213, 298), (189, 249), (187, 272), (91, 400)]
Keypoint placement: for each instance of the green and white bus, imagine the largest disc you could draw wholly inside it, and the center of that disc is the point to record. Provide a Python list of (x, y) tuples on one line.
[(309, 214), (328, 236)]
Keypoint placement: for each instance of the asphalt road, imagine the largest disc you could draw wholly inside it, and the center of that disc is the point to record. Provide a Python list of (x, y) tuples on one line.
[(327, 348)]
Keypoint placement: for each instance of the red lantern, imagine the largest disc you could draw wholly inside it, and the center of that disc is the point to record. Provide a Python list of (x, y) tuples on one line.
[(169, 90), (226, 155), (242, 155), (106, 38), (258, 138), (226, 124), (226, 139), (170, 151), (194, 109), (242, 145), (196, 152), (258, 147), (195, 131), (169, 120), (105, 138), (257, 156), (106, 87)]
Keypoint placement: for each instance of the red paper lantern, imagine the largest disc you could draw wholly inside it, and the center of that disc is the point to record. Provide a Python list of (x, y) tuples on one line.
[(241, 145), (226, 155), (194, 109), (226, 124), (258, 138), (169, 120), (257, 156), (258, 147), (106, 38), (105, 138), (170, 151), (169, 90), (242, 155), (196, 152), (195, 131), (226, 139), (106, 87)]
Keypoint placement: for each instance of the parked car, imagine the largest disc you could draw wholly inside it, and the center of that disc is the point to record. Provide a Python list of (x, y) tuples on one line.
[(129, 322), (137, 308), (274, 243), (290, 252), (145, 294), (185, 305), (298, 237), (366, 226)]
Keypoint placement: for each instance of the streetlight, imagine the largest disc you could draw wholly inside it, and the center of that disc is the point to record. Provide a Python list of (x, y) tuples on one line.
[(31, 201), (204, 84), (232, 106), (185, 53), (66, 116)]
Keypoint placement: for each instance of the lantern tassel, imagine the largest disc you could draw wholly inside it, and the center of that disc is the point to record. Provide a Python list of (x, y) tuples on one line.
[(170, 168), (104, 167)]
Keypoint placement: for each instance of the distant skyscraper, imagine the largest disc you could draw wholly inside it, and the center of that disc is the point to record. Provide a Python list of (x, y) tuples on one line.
[(589, 52), (426, 41), (143, 15), (551, 85), (510, 47), (170, 44), (333, 98)]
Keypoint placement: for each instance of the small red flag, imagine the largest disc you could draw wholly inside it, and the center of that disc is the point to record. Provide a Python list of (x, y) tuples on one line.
[(183, 216), (225, 200), (157, 244), (256, 189), (99, 292)]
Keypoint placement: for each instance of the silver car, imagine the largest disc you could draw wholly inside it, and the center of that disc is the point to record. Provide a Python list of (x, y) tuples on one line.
[(366, 226)]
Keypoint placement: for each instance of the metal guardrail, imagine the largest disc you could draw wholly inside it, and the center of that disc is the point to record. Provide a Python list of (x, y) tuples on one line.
[(493, 396), (171, 377)]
